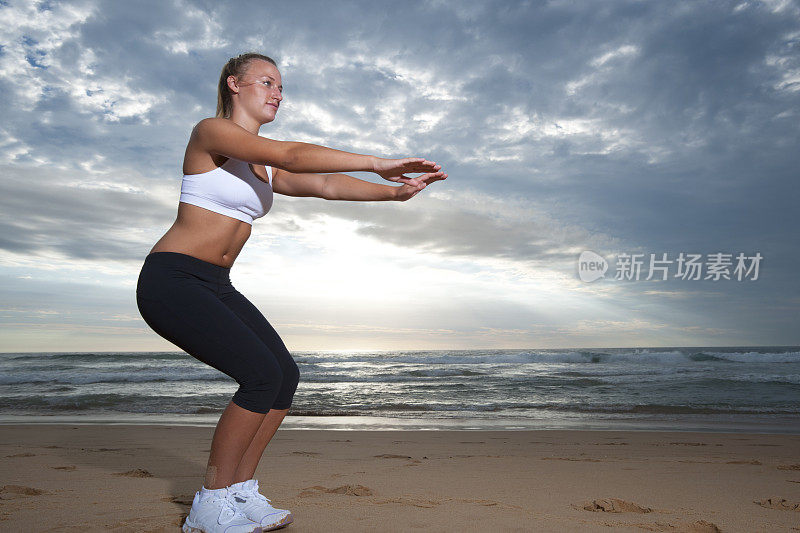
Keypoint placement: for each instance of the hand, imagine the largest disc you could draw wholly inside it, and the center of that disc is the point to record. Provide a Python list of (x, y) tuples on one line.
[(408, 191), (393, 169)]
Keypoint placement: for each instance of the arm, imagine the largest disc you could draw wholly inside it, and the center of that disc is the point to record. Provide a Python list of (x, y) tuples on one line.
[(329, 186), (344, 187), (225, 137)]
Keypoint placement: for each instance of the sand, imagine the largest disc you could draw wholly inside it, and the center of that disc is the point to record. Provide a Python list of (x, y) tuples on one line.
[(142, 478)]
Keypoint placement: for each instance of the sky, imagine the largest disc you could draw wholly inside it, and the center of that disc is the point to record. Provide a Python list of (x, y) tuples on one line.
[(616, 127)]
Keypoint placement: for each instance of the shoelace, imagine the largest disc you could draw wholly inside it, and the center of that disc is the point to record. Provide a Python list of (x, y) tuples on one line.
[(254, 493), (229, 510)]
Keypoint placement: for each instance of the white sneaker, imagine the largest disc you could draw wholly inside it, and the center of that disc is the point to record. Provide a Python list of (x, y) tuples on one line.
[(258, 508), (214, 512)]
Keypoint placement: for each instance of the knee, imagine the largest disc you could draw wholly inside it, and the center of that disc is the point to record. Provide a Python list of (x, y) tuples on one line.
[(258, 391), (275, 374), (266, 379), (291, 372), (291, 377)]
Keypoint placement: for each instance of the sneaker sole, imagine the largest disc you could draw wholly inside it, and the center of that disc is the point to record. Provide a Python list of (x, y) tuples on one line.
[(189, 528), (288, 519)]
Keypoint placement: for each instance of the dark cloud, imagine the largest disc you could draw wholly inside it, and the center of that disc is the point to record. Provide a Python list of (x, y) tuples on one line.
[(658, 126)]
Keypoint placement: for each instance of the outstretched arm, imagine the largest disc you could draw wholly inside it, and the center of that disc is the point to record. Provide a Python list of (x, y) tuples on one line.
[(225, 137), (344, 187)]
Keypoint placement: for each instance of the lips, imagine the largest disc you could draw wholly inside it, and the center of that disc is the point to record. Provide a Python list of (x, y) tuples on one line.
[(274, 105)]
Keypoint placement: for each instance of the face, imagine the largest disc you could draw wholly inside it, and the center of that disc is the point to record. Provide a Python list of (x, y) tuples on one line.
[(260, 90)]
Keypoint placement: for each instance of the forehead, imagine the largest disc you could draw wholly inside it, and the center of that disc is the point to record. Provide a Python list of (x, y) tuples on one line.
[(259, 67)]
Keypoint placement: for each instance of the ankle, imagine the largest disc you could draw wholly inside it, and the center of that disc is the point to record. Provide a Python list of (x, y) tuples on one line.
[(205, 489), (239, 483)]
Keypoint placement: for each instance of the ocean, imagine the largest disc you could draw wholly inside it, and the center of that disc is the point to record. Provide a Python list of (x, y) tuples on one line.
[(753, 389)]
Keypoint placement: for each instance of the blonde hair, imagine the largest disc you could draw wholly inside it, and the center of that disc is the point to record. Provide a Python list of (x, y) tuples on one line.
[(236, 66)]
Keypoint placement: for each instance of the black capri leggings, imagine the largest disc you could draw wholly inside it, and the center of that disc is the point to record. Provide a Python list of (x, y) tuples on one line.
[(192, 304)]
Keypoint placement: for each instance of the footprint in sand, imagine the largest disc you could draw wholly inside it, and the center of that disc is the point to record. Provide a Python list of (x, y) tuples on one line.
[(781, 504), (308, 454), (392, 456), (67, 468), (415, 502), (11, 492), (572, 459), (789, 467), (698, 526), (428, 503), (612, 505), (703, 526), (751, 462), (145, 523), (137, 472), (180, 500), (350, 490), (24, 454)]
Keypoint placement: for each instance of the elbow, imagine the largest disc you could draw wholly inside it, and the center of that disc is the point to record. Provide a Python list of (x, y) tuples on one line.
[(327, 190), (289, 160)]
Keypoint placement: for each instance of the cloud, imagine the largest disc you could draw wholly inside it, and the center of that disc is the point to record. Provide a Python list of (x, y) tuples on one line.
[(616, 127)]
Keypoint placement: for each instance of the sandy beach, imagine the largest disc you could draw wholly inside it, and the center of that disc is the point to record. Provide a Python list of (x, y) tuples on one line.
[(142, 478)]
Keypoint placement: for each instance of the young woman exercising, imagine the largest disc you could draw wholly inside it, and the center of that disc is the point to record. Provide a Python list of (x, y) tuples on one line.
[(184, 292)]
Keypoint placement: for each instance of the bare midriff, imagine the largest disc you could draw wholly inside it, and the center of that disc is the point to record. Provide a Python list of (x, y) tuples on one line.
[(206, 235)]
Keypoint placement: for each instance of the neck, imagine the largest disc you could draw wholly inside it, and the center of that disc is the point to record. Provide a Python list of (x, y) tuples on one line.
[(246, 122)]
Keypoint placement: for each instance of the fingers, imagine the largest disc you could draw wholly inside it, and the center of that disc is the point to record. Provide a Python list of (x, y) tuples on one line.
[(421, 165), (430, 170), (426, 180), (430, 177), (421, 183), (410, 181)]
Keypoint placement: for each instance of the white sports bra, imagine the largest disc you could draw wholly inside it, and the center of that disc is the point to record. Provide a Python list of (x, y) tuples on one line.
[(231, 190)]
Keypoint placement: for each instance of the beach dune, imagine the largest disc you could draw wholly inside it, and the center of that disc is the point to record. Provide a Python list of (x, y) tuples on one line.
[(142, 478)]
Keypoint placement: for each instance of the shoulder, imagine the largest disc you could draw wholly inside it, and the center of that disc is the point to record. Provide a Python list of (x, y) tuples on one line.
[(215, 132), (220, 125), (212, 124)]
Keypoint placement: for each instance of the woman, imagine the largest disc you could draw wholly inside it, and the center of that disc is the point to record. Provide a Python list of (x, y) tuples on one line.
[(184, 291)]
